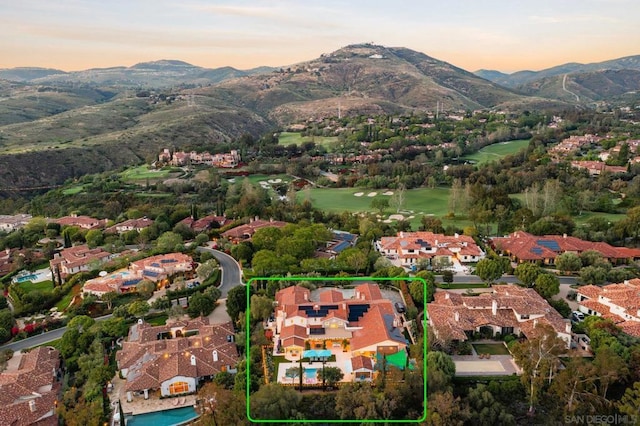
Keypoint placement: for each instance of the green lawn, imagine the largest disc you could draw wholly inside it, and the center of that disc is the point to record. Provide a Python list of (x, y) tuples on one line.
[(497, 151), (158, 320), (64, 302), (491, 348), (73, 190), (418, 202), (611, 217), (43, 286), (288, 138), (144, 172)]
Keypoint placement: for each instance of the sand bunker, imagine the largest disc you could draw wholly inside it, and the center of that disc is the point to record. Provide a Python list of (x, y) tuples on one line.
[(372, 194), (358, 194), (396, 217), (274, 180), (386, 221), (388, 193), (232, 180)]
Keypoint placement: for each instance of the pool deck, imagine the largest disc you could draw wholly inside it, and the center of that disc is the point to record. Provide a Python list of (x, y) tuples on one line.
[(139, 405)]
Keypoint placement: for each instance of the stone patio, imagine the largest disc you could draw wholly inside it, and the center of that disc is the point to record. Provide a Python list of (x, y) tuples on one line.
[(139, 405)]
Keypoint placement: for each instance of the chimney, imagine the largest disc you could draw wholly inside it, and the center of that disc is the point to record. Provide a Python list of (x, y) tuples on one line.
[(626, 282), (568, 327), (456, 235), (456, 316), (564, 235), (215, 356), (535, 323), (446, 295), (494, 307), (32, 405), (193, 360)]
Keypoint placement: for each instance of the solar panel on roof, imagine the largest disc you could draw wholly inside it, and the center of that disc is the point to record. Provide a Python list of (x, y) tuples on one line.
[(550, 244), (356, 312), (536, 250), (341, 246)]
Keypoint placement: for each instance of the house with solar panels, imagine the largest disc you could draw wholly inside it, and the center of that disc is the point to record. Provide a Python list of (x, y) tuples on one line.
[(155, 269), (364, 325), (522, 247), (340, 241)]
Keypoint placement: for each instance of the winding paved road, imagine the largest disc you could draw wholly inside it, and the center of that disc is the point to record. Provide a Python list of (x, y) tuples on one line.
[(231, 272), (43, 338), (231, 277)]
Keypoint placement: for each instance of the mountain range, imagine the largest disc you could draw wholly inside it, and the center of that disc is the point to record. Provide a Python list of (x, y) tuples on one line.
[(98, 119)]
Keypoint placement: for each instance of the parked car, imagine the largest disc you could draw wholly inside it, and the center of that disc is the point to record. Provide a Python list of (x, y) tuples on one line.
[(577, 316), (400, 307)]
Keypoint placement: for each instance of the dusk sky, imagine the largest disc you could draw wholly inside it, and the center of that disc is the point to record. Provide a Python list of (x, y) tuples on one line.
[(504, 35)]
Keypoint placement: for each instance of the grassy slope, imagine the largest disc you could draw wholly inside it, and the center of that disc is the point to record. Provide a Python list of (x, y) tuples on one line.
[(288, 138), (497, 151)]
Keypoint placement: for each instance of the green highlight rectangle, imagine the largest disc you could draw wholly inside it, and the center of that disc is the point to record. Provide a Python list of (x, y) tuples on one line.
[(302, 278)]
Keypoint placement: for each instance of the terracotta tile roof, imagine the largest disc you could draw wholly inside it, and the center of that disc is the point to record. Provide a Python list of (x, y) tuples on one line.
[(247, 231), (293, 295), (368, 292), (32, 382), (528, 247), (377, 327), (427, 245), (150, 361), (591, 291), (452, 314), (630, 327), (329, 296), (361, 363), (85, 222)]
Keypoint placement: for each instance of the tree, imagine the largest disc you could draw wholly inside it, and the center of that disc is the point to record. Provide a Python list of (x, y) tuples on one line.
[(200, 304), (330, 375), (446, 410), (169, 242), (108, 298), (138, 308), (353, 259), (94, 238), (432, 224), (575, 387), (547, 285), (538, 358), (489, 270), (274, 402), (416, 290), (447, 276), (485, 410), (380, 204), (292, 373), (236, 302), (595, 275), (223, 406), (206, 269), (398, 197), (629, 404), (568, 262), (261, 307), (266, 238), (527, 273), (146, 288)]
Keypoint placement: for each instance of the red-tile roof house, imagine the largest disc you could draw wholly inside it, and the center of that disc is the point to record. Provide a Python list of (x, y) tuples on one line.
[(76, 259), (154, 268), (619, 303), (129, 225), (245, 232), (205, 223), (524, 247), (409, 247), (367, 321), (175, 357), (29, 388), (509, 309), (84, 222)]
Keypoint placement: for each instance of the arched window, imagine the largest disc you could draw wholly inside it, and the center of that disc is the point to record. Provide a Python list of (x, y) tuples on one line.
[(178, 387)]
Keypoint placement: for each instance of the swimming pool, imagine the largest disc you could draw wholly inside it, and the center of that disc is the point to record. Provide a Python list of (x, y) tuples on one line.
[(311, 373), (171, 417)]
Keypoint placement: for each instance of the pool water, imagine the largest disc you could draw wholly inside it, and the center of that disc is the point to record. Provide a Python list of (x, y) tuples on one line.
[(171, 417), (311, 373)]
